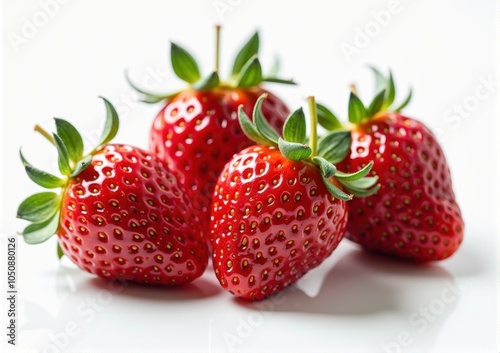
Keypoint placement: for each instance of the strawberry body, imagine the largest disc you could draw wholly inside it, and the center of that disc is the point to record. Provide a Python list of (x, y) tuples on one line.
[(272, 221), (196, 133), (414, 215), (127, 217)]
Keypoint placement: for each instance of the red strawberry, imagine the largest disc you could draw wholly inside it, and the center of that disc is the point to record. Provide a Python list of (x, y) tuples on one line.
[(197, 131), (277, 212), (414, 215), (121, 213)]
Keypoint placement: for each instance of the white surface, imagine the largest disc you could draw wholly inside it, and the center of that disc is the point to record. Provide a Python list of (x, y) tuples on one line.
[(354, 302)]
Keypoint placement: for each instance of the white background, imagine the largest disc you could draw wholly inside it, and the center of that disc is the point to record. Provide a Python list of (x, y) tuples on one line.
[(354, 302)]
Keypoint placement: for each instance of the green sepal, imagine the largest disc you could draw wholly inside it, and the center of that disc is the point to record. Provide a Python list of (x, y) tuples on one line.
[(111, 124), (261, 122), (351, 187), (335, 146), (357, 110), (279, 80), (81, 165), (145, 96), (391, 92), (294, 129), (62, 156), (335, 191), (380, 80), (327, 119), (327, 169), (355, 176), (275, 68), (250, 75), (37, 233), (249, 128), (184, 65), (376, 103), (40, 177), (294, 151), (246, 53), (71, 138), (60, 252), (405, 102), (208, 82), (38, 207)]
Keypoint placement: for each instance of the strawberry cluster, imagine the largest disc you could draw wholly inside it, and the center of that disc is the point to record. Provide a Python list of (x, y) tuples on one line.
[(231, 173)]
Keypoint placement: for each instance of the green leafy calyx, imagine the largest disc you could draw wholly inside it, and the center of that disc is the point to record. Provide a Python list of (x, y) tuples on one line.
[(292, 144), (43, 209), (246, 71)]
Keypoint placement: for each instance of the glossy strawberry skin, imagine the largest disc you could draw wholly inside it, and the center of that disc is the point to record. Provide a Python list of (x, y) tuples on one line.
[(272, 221), (126, 217), (196, 133), (414, 215)]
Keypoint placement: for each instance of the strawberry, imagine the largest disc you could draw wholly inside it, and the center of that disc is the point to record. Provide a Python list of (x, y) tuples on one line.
[(278, 210), (121, 213), (414, 215), (197, 131)]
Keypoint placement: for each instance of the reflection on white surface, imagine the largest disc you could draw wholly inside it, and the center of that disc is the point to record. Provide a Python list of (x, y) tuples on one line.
[(384, 305)]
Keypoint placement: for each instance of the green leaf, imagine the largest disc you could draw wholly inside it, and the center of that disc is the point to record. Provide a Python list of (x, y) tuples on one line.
[(81, 165), (246, 53), (22, 157), (279, 80), (250, 75), (379, 80), (294, 129), (363, 183), (294, 151), (207, 83), (335, 146), (327, 169), (261, 122), (275, 69), (42, 178), (60, 252), (359, 192), (405, 102), (391, 92), (249, 128), (62, 156), (111, 124), (357, 110), (145, 96), (376, 104), (335, 191), (38, 207), (184, 65), (327, 119), (71, 138), (37, 233), (354, 176)]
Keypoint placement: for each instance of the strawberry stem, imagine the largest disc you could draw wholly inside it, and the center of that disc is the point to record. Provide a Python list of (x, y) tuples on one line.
[(44, 133), (217, 47), (313, 116)]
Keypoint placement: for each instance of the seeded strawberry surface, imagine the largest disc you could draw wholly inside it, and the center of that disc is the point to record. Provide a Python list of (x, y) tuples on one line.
[(126, 216), (272, 221), (196, 133), (414, 215)]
